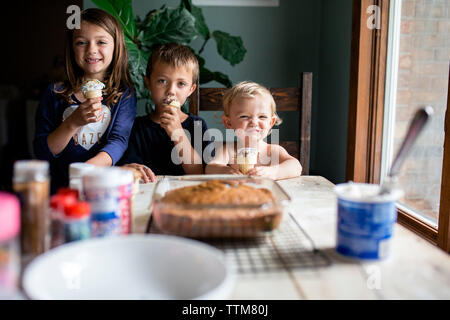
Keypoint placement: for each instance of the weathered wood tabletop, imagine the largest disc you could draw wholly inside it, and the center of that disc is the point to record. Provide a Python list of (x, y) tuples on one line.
[(415, 269)]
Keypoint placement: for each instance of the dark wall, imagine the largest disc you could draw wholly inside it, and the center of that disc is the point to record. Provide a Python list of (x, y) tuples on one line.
[(33, 35), (331, 122)]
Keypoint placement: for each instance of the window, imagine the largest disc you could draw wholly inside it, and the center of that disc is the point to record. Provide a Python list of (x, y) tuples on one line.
[(398, 66), (417, 75)]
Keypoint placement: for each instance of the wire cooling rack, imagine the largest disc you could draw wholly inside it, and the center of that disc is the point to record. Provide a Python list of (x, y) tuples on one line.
[(288, 247)]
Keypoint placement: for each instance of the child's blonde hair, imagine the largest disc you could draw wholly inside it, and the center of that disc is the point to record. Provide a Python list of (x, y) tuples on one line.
[(176, 55), (248, 89)]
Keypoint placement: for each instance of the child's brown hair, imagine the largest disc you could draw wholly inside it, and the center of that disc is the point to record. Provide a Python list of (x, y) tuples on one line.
[(175, 55), (117, 75)]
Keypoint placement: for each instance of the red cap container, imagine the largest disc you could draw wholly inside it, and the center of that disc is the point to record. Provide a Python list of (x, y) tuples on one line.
[(61, 201), (70, 191), (78, 210)]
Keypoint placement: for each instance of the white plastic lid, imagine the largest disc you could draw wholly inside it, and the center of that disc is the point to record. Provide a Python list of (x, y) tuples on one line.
[(78, 169), (126, 177), (365, 192), (107, 177)]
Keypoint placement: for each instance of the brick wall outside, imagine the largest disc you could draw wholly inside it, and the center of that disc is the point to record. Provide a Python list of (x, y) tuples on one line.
[(423, 80)]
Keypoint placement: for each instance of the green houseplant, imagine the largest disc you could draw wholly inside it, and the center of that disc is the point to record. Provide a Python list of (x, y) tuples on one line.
[(181, 24)]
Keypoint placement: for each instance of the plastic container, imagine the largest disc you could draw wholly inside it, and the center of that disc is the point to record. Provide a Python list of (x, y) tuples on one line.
[(126, 200), (101, 190), (9, 246), (58, 204), (136, 178), (69, 191), (244, 213), (76, 172), (32, 185), (365, 220), (77, 224)]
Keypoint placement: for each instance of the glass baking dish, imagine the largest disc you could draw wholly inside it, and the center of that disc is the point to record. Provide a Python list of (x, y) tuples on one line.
[(240, 213)]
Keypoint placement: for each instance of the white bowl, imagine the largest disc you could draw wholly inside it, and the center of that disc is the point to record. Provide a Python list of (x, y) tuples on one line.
[(130, 267)]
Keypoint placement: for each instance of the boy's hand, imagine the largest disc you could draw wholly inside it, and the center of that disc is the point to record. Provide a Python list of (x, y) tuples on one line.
[(147, 174), (170, 120), (264, 171), (87, 112)]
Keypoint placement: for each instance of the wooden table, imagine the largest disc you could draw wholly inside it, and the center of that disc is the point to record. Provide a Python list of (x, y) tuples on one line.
[(416, 269)]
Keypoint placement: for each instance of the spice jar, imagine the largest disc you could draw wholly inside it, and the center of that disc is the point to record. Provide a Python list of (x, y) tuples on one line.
[(9, 246), (32, 185), (77, 221)]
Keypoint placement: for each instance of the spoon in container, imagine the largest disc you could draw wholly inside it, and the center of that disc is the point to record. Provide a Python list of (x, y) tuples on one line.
[(417, 124)]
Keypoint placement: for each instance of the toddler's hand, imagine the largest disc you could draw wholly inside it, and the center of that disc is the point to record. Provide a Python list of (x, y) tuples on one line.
[(233, 169), (87, 112), (264, 171), (170, 120), (147, 174)]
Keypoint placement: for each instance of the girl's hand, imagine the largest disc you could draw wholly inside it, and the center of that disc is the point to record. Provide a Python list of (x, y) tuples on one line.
[(87, 112), (170, 120), (147, 174), (264, 171)]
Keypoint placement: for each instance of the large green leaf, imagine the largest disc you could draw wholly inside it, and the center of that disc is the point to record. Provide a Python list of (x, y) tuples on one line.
[(201, 60), (138, 64), (186, 4), (208, 75), (231, 48), (200, 23), (170, 25), (123, 11)]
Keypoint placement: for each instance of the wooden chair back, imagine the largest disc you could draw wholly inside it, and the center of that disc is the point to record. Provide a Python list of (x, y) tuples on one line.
[(286, 99)]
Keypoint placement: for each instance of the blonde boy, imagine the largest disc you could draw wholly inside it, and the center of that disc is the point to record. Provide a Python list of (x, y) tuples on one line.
[(250, 110)]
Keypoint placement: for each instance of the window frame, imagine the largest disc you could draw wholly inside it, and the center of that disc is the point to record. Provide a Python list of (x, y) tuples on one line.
[(366, 112)]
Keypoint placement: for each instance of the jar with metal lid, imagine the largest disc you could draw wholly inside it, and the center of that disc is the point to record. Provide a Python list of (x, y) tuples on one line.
[(32, 185), (9, 246)]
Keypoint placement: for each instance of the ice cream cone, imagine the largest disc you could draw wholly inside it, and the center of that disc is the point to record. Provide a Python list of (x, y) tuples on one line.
[(247, 159), (244, 168), (93, 94), (175, 103), (92, 88)]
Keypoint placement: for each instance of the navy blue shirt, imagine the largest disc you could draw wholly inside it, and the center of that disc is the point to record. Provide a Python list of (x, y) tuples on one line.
[(110, 134), (151, 146)]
